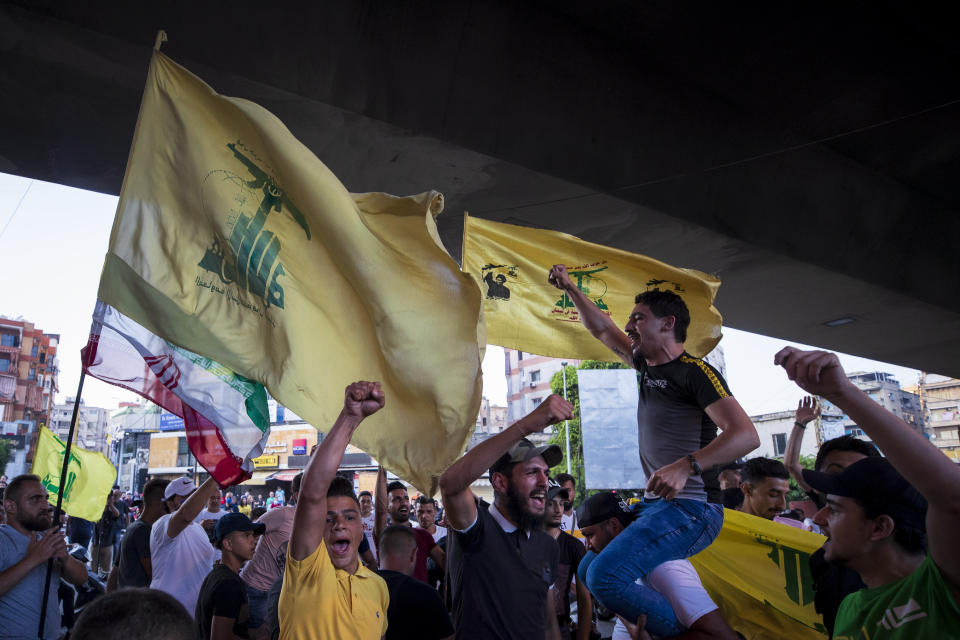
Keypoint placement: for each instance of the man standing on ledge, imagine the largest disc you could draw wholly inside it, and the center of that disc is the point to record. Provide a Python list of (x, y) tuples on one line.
[(327, 594), (501, 562), (683, 401)]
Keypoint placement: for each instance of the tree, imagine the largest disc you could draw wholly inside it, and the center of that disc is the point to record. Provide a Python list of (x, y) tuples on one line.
[(796, 493), (576, 440), (6, 454)]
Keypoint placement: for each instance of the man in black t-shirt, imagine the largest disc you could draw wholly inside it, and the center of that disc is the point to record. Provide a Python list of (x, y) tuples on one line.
[(501, 563), (222, 608), (132, 566), (571, 552), (415, 610), (683, 402)]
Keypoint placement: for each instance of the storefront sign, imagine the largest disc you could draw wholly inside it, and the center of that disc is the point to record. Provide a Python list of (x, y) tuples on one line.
[(266, 461), (299, 446)]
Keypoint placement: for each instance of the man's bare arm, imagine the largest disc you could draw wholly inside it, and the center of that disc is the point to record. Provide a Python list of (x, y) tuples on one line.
[(920, 462), (807, 410), (380, 499), (584, 609), (361, 399), (191, 507), (459, 506), (438, 556), (599, 324)]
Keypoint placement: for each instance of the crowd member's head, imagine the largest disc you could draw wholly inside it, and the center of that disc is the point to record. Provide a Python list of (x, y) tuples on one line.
[(838, 454), (569, 483), (153, 493), (344, 528), (602, 517), (519, 479), (426, 512), (256, 512), (236, 536), (398, 502), (659, 318), (25, 500), (765, 484), (213, 504), (398, 549), (366, 503), (176, 492), (557, 499), (134, 613), (870, 508), (730, 476)]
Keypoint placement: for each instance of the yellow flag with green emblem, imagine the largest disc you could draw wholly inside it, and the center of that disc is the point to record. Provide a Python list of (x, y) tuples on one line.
[(524, 312), (758, 573), (234, 242), (90, 476)]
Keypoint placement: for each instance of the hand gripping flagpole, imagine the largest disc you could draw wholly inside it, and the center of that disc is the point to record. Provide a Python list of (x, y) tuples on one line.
[(57, 510)]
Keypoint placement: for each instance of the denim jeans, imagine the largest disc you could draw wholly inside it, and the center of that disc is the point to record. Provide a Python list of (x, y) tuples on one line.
[(664, 530), (258, 606)]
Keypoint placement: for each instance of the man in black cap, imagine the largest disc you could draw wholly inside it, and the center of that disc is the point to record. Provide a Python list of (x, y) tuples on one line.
[(223, 612), (678, 591), (571, 553), (501, 563), (880, 513)]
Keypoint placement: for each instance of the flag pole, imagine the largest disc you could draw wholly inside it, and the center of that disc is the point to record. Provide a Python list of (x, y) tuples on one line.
[(56, 511)]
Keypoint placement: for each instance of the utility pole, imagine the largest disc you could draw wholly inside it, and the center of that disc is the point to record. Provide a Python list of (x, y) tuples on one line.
[(566, 423)]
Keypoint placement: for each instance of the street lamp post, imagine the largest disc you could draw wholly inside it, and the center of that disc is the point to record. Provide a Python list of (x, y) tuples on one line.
[(566, 423)]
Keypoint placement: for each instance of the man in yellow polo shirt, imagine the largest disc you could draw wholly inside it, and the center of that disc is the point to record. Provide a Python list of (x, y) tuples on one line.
[(327, 593)]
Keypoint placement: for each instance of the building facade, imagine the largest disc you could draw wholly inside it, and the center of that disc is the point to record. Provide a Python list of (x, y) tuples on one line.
[(28, 377), (941, 403), (885, 390), (528, 380), (93, 425), (492, 419)]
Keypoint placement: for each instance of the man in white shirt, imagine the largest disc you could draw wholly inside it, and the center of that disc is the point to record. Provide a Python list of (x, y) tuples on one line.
[(211, 513), (368, 518), (427, 517), (568, 522), (180, 551)]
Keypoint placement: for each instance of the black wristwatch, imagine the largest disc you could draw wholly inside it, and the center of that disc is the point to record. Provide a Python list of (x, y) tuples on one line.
[(694, 465)]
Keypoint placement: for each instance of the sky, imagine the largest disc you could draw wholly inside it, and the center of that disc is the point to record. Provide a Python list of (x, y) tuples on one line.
[(53, 240)]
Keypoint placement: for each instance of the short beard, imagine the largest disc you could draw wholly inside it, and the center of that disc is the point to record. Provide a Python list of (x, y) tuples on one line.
[(400, 519), (516, 506), (37, 523)]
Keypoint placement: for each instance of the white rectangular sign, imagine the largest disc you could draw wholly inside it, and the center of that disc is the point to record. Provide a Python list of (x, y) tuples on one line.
[(608, 421)]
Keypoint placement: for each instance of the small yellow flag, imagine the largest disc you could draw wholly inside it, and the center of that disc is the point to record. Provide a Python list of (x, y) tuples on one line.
[(525, 312), (758, 573), (233, 241), (90, 476)]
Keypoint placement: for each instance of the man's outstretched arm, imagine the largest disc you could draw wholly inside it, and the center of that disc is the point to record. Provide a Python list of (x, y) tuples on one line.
[(807, 410), (361, 399), (922, 464), (459, 506), (599, 324), (191, 507), (380, 499)]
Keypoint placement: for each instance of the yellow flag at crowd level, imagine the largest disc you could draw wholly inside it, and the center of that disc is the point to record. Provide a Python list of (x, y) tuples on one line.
[(234, 242), (523, 311), (90, 476), (758, 573)]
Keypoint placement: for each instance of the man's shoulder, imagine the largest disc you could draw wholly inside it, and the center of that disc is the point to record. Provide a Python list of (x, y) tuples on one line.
[(423, 535)]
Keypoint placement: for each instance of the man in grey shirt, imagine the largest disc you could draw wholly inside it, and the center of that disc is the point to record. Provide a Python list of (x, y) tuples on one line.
[(132, 567), (683, 401)]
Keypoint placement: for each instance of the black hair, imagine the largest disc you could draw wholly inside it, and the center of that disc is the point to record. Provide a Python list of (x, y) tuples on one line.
[(154, 489), (14, 490), (426, 500), (910, 539), (396, 484), (134, 612), (845, 443), (256, 512), (563, 478), (295, 485), (364, 493), (340, 487), (756, 469), (397, 538), (667, 303)]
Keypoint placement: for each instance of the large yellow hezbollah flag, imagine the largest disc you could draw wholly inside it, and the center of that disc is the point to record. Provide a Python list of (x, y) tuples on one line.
[(758, 573), (234, 242), (523, 311), (90, 476)]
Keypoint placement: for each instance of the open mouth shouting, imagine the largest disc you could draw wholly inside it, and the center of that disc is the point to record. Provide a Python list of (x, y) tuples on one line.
[(340, 546), (538, 500)]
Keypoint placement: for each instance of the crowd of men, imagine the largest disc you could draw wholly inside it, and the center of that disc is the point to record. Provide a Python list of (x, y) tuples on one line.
[(335, 565)]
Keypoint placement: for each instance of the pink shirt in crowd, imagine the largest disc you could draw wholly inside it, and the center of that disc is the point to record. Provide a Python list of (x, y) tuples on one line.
[(263, 569)]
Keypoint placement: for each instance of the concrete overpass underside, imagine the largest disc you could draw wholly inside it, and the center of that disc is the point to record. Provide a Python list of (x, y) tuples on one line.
[(807, 153)]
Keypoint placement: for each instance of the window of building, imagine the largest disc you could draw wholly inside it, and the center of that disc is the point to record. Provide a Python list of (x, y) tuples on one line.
[(779, 444), (4, 365), (184, 457), (33, 374), (8, 340), (33, 352), (519, 355), (537, 401), (484, 422), (535, 376)]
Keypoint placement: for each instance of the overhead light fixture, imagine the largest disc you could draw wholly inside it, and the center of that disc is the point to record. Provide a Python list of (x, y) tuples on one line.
[(839, 322)]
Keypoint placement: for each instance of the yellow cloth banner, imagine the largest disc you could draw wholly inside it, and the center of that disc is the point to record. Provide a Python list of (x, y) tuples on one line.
[(233, 241), (758, 573), (525, 312), (90, 476)]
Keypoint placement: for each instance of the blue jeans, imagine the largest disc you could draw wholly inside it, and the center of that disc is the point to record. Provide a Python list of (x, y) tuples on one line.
[(664, 530), (258, 606)]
